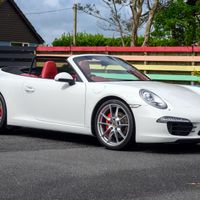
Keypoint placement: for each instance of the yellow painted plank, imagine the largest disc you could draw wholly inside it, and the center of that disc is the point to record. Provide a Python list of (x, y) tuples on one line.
[(167, 68)]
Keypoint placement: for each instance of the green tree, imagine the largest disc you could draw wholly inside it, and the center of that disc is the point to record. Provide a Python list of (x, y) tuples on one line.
[(178, 21)]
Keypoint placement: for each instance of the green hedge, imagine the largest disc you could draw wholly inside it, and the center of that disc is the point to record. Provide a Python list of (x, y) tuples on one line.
[(86, 39)]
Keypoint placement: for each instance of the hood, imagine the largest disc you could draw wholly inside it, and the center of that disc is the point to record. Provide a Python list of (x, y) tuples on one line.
[(173, 94)]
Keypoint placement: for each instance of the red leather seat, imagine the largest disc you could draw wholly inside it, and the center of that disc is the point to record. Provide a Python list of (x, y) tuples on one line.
[(29, 75), (49, 70)]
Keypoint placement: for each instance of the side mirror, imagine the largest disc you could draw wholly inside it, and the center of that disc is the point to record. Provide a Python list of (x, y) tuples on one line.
[(64, 77)]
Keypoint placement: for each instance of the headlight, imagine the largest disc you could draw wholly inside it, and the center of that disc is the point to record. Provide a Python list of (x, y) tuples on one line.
[(152, 99)]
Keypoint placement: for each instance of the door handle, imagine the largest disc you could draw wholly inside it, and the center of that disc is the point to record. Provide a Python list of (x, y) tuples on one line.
[(29, 89)]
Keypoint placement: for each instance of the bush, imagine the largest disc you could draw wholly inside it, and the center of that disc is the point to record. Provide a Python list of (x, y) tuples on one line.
[(85, 39), (162, 42)]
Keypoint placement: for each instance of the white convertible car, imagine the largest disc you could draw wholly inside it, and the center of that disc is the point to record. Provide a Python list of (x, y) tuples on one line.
[(98, 95)]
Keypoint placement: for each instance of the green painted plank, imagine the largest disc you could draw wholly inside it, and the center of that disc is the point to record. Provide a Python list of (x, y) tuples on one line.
[(173, 77), (160, 77), (116, 76), (109, 67)]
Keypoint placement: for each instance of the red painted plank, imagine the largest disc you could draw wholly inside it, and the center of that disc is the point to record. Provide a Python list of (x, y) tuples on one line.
[(46, 48), (88, 49), (125, 49), (197, 49), (99, 49), (150, 49), (170, 49)]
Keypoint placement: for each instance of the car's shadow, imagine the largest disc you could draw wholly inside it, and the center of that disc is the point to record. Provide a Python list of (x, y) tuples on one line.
[(78, 139), (186, 148)]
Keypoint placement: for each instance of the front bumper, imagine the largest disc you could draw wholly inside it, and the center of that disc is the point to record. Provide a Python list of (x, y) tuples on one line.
[(148, 130)]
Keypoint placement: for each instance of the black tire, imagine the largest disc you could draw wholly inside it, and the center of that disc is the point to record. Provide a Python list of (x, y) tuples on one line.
[(114, 125), (3, 113)]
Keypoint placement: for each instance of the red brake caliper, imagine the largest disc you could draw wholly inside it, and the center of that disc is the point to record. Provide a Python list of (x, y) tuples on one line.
[(107, 122)]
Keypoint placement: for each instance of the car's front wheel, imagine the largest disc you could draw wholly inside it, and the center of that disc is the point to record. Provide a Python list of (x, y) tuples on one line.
[(2, 113), (114, 125)]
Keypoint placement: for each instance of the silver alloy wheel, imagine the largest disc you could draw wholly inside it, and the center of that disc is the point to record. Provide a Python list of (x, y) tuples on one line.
[(1, 111), (113, 124)]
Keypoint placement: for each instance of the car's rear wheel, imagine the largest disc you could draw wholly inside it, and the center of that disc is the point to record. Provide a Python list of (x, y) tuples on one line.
[(2, 113), (114, 125)]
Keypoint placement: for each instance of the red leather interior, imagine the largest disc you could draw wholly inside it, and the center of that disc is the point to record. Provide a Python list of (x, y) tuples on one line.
[(29, 75), (99, 79), (49, 70)]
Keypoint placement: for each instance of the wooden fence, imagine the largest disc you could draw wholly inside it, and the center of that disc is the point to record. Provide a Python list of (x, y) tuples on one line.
[(172, 64), (16, 56)]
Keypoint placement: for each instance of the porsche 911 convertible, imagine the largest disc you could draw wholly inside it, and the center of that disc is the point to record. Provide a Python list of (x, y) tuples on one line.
[(98, 95)]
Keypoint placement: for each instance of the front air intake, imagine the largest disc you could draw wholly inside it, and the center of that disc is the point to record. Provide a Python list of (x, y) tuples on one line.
[(180, 128)]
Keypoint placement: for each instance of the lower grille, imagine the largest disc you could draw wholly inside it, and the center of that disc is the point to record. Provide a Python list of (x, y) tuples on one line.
[(180, 128)]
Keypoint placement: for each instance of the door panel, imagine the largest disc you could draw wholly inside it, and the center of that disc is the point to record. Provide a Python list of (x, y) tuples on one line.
[(55, 102)]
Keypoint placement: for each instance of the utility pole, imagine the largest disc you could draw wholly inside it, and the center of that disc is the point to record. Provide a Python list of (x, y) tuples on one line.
[(75, 24)]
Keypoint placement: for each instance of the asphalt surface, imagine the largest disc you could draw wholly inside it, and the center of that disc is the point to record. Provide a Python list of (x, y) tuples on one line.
[(39, 165)]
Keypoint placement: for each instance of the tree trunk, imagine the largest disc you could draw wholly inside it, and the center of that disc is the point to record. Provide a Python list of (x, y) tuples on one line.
[(136, 8), (118, 23), (149, 23)]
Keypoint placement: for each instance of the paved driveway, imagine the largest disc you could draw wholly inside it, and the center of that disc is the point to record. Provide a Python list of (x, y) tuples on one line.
[(39, 165)]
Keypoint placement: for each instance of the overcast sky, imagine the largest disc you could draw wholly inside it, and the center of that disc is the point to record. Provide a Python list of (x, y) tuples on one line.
[(53, 24)]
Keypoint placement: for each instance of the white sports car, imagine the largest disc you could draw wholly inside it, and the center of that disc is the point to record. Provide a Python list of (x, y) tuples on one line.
[(98, 95)]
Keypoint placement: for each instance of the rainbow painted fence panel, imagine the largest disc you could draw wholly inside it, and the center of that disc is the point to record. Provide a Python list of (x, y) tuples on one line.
[(171, 64)]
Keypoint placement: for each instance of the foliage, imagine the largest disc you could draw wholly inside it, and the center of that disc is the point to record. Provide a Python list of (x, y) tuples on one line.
[(179, 22), (85, 39), (82, 39)]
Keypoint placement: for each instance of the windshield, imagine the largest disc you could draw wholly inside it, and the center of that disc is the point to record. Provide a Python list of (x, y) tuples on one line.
[(106, 68)]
